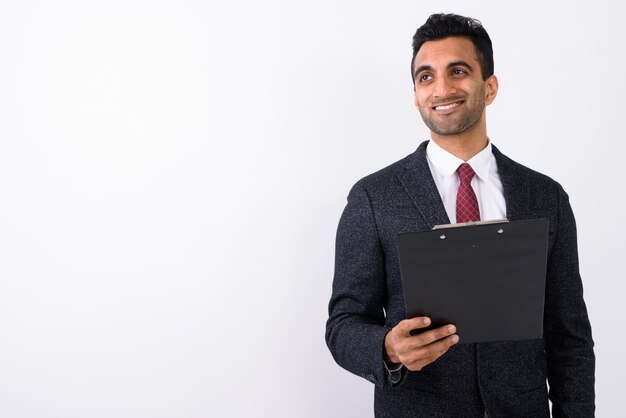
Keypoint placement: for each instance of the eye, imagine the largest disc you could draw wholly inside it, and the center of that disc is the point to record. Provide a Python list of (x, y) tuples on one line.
[(425, 77), (458, 71)]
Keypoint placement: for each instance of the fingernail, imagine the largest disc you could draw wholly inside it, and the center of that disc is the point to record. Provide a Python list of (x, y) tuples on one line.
[(455, 339), (451, 329), (426, 321)]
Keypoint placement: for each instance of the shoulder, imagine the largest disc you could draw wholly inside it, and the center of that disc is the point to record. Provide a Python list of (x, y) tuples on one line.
[(383, 177), (387, 177), (519, 175)]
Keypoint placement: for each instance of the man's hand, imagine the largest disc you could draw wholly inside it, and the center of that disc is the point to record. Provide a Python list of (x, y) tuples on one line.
[(416, 351)]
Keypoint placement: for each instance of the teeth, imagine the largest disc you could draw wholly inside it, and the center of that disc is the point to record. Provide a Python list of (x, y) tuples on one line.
[(446, 107)]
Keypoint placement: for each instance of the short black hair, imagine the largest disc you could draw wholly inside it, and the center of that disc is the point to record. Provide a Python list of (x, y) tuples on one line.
[(441, 25)]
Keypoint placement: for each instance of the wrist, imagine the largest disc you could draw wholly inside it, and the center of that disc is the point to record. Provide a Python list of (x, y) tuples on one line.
[(389, 354)]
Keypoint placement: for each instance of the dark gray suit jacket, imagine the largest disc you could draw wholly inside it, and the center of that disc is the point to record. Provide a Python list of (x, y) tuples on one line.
[(508, 379)]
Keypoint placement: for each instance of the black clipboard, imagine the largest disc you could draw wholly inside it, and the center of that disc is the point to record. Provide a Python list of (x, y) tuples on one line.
[(488, 279)]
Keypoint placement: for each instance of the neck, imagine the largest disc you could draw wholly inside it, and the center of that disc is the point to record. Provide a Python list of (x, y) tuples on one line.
[(462, 150), (465, 144)]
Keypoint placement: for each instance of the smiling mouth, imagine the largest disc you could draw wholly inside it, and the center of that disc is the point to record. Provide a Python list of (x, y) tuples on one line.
[(448, 106)]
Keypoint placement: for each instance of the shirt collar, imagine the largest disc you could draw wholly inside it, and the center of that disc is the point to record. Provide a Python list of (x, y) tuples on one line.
[(447, 163)]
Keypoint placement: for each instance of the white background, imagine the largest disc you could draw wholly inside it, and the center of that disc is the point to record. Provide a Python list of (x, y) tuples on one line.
[(172, 174)]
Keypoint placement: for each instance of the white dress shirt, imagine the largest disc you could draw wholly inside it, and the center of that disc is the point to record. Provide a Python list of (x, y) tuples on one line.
[(486, 183)]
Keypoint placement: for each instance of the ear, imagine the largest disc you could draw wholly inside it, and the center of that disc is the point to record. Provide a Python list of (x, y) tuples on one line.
[(491, 89)]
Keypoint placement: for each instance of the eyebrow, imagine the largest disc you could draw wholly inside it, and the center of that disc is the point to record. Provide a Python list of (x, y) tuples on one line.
[(459, 63)]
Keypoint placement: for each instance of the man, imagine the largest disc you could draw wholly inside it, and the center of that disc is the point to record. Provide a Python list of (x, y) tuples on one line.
[(433, 374)]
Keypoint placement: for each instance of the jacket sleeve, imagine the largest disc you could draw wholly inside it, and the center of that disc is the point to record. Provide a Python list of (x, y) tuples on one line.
[(355, 329), (567, 331)]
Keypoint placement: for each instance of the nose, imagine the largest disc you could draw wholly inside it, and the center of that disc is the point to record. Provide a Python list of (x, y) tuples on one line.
[(444, 87)]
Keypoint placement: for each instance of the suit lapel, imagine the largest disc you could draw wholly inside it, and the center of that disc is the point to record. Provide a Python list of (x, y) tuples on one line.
[(515, 184), (418, 182)]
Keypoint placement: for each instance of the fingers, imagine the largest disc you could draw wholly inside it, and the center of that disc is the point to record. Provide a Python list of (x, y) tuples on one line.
[(405, 327), (398, 339), (429, 354), (428, 337), (417, 351)]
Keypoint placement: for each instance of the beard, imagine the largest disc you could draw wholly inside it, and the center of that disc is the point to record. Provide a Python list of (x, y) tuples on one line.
[(470, 113)]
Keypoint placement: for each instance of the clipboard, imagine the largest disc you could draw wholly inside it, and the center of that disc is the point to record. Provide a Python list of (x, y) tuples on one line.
[(487, 278)]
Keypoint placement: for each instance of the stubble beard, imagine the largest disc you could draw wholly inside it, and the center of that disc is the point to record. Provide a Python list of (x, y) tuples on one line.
[(456, 123)]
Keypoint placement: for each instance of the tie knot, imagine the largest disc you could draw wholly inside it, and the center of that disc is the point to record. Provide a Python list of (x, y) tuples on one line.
[(465, 173)]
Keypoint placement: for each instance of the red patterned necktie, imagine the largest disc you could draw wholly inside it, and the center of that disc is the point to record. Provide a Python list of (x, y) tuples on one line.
[(466, 202)]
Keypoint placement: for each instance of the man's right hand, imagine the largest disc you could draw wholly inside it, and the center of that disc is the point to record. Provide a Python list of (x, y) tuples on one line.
[(417, 351)]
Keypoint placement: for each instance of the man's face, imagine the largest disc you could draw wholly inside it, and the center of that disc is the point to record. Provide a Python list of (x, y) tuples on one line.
[(450, 93)]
